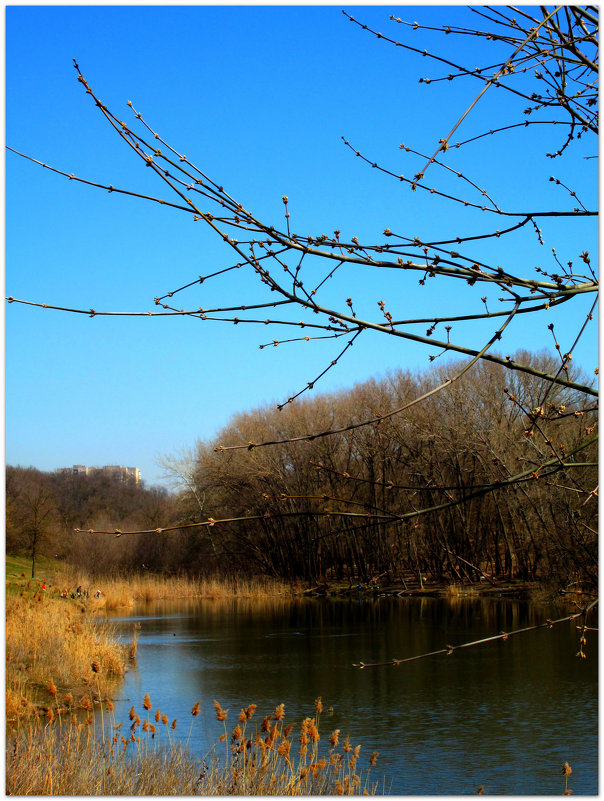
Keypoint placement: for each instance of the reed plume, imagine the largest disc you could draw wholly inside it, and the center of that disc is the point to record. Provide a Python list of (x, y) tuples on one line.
[(220, 713)]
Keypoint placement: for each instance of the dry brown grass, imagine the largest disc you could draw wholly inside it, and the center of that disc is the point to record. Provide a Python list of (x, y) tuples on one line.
[(56, 656), (71, 762), (262, 757), (124, 591)]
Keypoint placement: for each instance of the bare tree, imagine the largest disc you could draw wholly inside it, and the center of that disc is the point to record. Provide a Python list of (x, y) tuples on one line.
[(32, 517)]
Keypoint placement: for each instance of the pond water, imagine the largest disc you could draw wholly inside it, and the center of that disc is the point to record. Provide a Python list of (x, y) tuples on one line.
[(505, 715)]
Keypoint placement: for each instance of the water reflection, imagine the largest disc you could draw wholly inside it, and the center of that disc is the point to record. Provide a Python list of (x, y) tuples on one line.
[(506, 715)]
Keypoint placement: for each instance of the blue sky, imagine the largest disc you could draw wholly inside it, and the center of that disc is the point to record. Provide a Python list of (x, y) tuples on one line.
[(258, 98)]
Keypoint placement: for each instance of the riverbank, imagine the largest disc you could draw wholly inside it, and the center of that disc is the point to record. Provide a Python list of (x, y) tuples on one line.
[(67, 582), (58, 660), (60, 657), (533, 591), (123, 591), (520, 590)]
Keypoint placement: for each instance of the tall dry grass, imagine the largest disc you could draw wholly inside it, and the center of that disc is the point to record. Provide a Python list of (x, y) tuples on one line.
[(124, 591), (57, 657), (260, 757)]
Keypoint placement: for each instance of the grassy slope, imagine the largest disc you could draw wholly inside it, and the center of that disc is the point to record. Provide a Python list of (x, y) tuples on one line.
[(18, 572)]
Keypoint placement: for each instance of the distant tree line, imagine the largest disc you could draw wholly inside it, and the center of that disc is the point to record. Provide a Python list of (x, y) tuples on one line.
[(419, 487), (43, 509)]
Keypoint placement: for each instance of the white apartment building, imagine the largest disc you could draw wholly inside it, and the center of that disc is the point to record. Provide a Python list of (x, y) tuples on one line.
[(117, 472)]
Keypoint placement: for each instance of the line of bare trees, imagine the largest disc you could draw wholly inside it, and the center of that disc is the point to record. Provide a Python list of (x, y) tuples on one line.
[(419, 485)]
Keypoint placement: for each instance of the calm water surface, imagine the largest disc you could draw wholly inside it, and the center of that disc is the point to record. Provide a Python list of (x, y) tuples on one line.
[(506, 715)]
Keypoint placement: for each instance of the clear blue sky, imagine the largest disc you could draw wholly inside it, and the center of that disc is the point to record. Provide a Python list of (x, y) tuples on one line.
[(257, 97)]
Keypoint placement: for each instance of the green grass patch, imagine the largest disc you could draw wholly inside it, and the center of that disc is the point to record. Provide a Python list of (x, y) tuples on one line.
[(18, 572)]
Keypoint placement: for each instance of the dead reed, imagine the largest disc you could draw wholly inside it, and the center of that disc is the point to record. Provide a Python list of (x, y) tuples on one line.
[(253, 757), (120, 591), (56, 657)]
